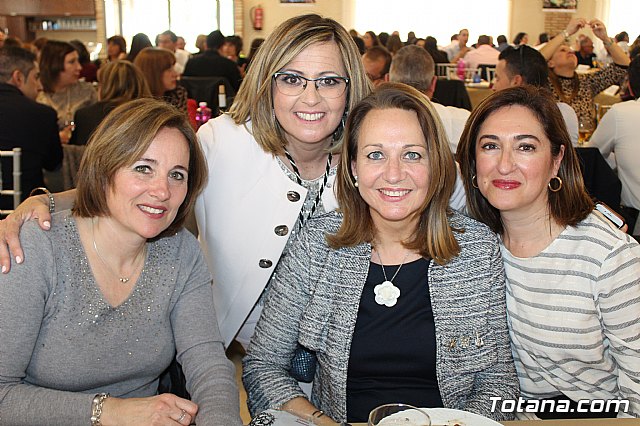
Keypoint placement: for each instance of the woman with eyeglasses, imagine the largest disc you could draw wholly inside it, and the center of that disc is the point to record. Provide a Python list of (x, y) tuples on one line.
[(272, 162)]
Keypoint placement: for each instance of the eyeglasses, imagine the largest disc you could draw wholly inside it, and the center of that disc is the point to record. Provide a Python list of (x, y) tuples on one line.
[(291, 84)]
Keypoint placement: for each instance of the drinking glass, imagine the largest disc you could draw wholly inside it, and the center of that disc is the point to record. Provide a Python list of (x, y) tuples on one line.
[(585, 129), (398, 415)]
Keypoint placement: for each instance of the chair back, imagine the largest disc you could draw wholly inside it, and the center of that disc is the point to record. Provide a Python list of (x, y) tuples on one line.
[(205, 89), (16, 191), (487, 72), (71, 164), (443, 70)]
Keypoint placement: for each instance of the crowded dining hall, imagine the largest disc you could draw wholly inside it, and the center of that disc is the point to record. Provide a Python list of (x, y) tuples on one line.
[(309, 212)]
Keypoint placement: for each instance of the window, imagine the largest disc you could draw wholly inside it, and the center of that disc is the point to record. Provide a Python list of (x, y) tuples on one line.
[(186, 18), (437, 19)]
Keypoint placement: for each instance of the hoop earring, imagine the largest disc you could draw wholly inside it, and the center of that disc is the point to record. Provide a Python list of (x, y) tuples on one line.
[(355, 183), (474, 181), (558, 180)]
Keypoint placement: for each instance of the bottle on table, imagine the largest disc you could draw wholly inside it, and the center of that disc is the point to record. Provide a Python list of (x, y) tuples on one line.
[(460, 70), (203, 114), (222, 99)]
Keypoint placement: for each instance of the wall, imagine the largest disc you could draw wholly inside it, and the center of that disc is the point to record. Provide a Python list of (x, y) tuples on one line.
[(275, 13), (527, 16)]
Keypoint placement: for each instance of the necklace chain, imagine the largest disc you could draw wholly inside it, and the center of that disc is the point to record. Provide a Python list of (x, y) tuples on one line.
[(397, 270), (302, 217), (123, 280)]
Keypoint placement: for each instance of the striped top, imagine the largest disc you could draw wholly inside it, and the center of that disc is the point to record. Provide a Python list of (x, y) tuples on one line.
[(574, 314)]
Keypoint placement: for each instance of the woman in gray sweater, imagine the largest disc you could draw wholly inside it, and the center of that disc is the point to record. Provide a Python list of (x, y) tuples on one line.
[(104, 300), (430, 330)]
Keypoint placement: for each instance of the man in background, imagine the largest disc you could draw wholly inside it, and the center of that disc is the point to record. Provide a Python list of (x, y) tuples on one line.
[(211, 63), (24, 123), (377, 61), (168, 40), (414, 66), (483, 54), (525, 65), (617, 133)]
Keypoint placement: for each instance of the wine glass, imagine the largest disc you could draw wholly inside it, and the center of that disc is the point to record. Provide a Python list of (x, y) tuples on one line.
[(398, 415), (585, 129)]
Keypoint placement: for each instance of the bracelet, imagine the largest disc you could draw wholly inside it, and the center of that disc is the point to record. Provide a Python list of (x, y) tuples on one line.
[(52, 202), (319, 412), (96, 408), (566, 35), (607, 43)]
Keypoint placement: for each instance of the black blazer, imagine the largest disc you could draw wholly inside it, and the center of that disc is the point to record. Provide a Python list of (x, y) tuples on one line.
[(33, 127), (88, 119), (209, 64)]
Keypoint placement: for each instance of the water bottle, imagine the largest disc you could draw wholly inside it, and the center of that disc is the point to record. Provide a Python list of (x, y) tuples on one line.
[(476, 77), (460, 69), (203, 114)]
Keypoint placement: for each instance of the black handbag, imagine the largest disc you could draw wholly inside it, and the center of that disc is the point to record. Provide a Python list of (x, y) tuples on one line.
[(303, 365)]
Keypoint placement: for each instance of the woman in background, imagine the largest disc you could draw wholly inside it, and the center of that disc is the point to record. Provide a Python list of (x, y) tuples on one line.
[(59, 73), (157, 66), (139, 42), (572, 278), (120, 82), (89, 71), (116, 48), (370, 39)]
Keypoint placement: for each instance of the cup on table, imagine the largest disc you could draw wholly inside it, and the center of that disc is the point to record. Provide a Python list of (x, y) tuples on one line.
[(398, 415), (586, 126)]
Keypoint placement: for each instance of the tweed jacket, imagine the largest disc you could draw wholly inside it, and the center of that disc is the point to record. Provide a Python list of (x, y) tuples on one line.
[(314, 298)]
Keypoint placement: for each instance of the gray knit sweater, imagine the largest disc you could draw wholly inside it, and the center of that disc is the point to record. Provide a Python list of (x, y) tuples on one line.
[(314, 297), (61, 342)]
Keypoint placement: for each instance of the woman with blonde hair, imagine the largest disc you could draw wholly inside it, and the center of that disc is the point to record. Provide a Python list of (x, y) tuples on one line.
[(120, 82), (157, 66), (396, 265)]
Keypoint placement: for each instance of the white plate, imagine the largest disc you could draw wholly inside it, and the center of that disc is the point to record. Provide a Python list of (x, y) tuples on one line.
[(449, 416)]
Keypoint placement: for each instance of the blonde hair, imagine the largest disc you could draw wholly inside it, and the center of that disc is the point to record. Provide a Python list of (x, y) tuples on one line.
[(433, 237), (254, 100), (121, 81), (120, 140)]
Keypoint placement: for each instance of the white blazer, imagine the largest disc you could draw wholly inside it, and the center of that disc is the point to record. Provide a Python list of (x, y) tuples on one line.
[(242, 214)]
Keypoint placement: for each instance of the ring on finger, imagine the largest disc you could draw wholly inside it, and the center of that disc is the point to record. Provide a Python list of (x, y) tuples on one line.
[(182, 416)]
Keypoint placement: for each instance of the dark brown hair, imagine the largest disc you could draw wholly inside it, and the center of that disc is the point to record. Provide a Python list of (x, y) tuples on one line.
[(568, 206), (52, 62), (433, 237), (120, 140)]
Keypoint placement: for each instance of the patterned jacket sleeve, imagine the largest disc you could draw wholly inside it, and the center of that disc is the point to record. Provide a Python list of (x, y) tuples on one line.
[(613, 74), (266, 367), (500, 379)]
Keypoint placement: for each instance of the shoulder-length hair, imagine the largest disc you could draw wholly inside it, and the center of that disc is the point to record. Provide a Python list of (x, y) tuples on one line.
[(433, 237), (254, 100), (568, 206), (121, 139), (121, 81), (153, 61), (52, 62)]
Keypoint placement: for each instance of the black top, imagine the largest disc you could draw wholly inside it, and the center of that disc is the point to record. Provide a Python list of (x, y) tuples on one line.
[(393, 350), (209, 64), (88, 119), (33, 127)]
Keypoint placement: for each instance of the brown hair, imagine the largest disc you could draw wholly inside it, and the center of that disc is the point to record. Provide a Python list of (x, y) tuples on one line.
[(121, 81), (120, 140), (254, 100), (568, 206), (52, 62), (153, 61), (433, 237)]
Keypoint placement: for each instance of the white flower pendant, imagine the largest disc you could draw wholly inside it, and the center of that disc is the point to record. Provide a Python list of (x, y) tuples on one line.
[(386, 294)]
